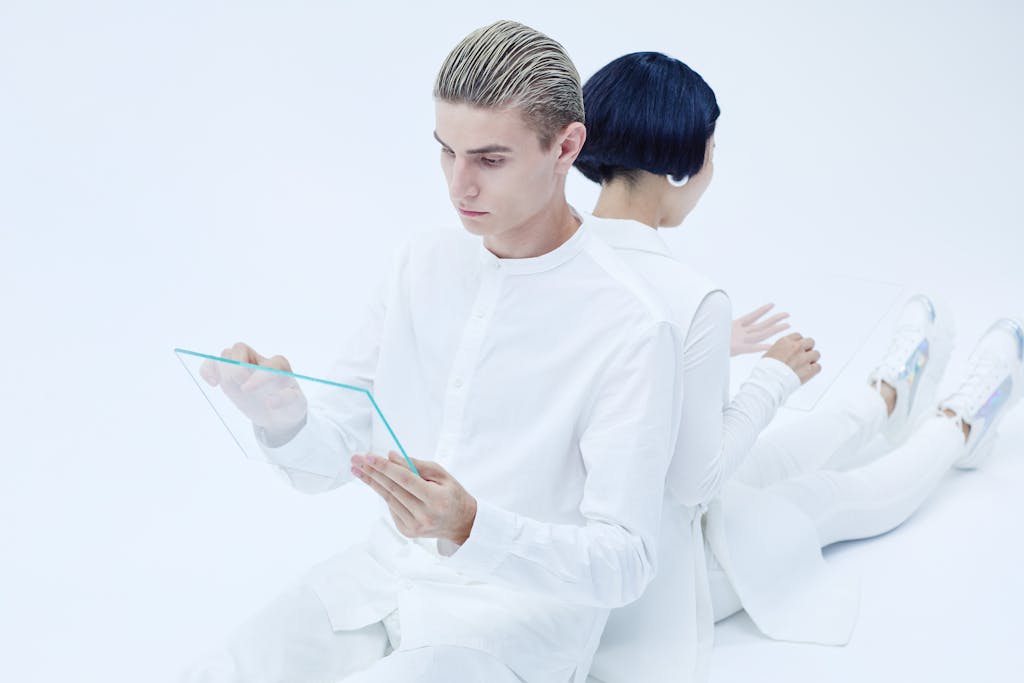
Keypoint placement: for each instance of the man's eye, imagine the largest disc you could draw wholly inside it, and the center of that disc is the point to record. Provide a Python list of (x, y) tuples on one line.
[(490, 161), (447, 152)]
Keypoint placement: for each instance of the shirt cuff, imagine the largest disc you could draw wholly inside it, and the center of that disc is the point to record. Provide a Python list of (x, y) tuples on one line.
[(786, 380), (488, 543), (310, 450)]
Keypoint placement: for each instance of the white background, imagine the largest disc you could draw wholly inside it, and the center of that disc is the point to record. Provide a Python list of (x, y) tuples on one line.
[(195, 173)]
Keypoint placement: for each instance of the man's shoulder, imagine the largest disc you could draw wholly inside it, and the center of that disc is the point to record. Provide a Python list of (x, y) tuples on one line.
[(634, 287)]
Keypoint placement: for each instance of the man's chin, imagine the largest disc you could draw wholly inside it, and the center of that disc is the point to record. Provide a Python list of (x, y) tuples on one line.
[(474, 227)]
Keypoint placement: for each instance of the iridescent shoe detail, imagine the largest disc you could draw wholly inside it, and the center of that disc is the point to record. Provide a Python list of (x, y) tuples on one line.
[(994, 381), (914, 363)]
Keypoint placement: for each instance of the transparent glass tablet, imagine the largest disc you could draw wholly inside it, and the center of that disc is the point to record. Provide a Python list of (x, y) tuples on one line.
[(294, 421)]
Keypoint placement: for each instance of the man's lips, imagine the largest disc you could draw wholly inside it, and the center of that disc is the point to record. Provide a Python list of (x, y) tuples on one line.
[(470, 214)]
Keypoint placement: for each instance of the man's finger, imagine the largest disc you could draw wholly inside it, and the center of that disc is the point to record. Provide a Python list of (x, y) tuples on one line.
[(431, 471), (275, 366), (208, 371), (243, 353), (267, 381), (400, 479), (400, 460), (428, 469), (396, 505)]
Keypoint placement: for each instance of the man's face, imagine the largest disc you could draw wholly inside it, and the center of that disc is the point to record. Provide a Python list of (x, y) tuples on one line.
[(498, 176)]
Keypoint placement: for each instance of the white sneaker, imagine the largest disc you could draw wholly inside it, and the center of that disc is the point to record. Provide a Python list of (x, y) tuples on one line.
[(994, 381), (913, 365)]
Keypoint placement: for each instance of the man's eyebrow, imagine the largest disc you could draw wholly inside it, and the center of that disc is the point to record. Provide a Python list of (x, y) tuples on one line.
[(489, 149)]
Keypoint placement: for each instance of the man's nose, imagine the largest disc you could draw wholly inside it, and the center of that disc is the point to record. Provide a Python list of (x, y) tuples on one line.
[(464, 181)]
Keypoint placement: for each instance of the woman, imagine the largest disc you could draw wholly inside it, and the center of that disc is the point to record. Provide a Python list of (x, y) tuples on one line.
[(775, 500)]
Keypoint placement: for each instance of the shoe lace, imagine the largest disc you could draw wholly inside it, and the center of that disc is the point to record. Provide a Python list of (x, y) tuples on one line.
[(976, 387), (903, 343)]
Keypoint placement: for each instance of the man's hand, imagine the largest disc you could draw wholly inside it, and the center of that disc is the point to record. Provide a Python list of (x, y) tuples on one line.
[(798, 353), (748, 331), (432, 505), (271, 400)]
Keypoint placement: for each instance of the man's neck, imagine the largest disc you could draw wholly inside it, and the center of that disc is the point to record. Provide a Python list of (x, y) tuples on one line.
[(542, 234)]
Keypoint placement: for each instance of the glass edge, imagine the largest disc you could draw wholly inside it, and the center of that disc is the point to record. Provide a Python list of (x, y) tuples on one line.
[(394, 437), (263, 368)]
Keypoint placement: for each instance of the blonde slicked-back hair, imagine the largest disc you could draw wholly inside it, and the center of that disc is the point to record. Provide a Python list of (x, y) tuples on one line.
[(508, 65)]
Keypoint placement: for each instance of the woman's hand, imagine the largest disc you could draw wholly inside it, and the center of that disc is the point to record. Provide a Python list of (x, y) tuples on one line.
[(798, 353), (749, 331)]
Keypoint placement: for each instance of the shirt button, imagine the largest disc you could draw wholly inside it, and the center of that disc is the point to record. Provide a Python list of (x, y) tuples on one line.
[(479, 314), (458, 383)]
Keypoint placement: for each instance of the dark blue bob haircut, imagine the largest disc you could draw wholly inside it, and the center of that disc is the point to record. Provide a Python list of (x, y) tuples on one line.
[(646, 111)]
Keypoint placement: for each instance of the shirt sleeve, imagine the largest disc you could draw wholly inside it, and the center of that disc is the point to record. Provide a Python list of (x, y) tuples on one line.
[(626, 445), (339, 421), (716, 434)]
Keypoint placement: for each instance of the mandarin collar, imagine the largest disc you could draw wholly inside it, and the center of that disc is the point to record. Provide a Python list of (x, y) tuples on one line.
[(537, 264)]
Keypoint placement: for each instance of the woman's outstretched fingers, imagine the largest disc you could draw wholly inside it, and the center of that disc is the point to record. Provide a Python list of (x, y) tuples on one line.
[(752, 316)]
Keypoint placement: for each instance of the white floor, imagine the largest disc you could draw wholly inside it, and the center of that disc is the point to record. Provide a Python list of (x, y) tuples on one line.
[(204, 173)]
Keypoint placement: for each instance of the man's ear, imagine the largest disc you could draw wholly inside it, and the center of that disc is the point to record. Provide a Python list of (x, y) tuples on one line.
[(569, 143)]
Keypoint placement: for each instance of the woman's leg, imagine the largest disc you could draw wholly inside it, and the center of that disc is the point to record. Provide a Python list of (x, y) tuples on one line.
[(879, 496), (837, 433)]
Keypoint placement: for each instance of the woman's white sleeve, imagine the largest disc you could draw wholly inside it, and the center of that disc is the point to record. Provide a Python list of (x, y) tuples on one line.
[(715, 434)]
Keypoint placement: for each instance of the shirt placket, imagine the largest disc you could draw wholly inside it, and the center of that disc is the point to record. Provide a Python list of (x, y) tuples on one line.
[(466, 360)]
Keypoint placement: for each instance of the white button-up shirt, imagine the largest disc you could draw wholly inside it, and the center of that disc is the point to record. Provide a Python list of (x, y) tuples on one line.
[(550, 387)]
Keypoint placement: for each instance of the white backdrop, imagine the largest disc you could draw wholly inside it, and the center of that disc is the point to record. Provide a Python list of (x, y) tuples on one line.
[(196, 173)]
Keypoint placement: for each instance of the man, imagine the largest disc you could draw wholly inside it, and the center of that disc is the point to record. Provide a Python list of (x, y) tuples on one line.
[(537, 381)]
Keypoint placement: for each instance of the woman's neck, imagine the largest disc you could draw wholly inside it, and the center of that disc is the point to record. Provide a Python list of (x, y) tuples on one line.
[(620, 199)]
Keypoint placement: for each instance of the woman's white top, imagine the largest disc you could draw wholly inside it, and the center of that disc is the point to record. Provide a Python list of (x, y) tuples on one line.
[(667, 634)]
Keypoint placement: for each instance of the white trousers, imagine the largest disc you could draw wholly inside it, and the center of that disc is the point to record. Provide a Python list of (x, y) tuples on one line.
[(291, 641), (820, 465)]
